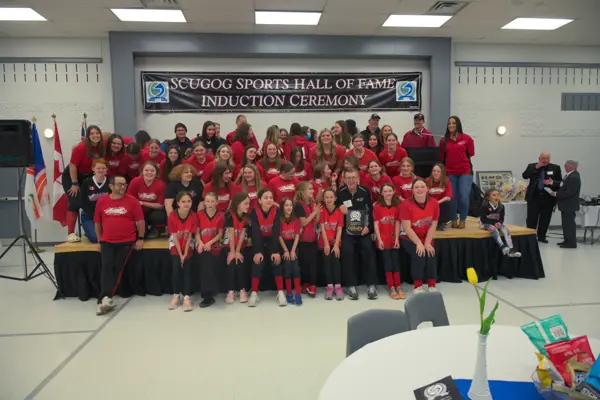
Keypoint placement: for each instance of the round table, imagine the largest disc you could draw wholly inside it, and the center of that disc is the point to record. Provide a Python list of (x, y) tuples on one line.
[(392, 368)]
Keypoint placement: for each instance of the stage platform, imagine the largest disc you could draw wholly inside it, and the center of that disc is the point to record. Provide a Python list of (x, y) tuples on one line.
[(77, 265)]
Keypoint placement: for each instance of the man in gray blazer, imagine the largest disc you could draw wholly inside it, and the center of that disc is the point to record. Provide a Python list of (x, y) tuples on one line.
[(567, 199)]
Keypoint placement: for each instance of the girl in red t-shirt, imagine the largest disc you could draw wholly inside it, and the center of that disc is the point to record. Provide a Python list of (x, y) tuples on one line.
[(419, 216), (265, 245), (308, 211), (375, 180), (284, 186), (149, 190), (392, 155), (221, 184), (274, 137), (440, 189), (403, 182), (79, 168), (183, 226), (223, 157), (271, 162), (351, 163), (250, 157), (289, 235), (199, 159), (252, 183), (131, 161), (238, 252), (115, 153), (387, 232), (240, 140), (364, 155), (331, 222), (208, 243), (323, 179), (153, 154), (303, 169), (327, 151)]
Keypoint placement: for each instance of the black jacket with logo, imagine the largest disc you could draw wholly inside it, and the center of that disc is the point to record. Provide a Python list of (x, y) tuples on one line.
[(491, 215), (361, 200)]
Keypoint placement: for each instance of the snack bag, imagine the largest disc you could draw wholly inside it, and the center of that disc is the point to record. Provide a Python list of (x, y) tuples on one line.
[(546, 372), (562, 352), (549, 330), (591, 385)]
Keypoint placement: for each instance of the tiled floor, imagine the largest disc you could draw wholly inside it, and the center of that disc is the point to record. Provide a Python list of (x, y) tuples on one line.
[(61, 350)]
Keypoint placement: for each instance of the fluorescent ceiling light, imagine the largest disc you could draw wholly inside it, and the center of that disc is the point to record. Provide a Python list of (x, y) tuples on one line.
[(19, 14), (286, 18), (146, 15), (416, 21), (540, 24)]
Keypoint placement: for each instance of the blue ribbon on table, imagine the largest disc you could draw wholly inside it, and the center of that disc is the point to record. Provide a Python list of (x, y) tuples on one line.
[(503, 389)]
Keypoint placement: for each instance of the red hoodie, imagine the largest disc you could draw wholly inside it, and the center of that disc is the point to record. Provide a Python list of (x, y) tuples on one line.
[(307, 146)]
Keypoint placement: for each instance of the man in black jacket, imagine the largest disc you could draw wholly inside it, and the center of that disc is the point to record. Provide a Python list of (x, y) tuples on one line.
[(567, 198), (544, 178), (354, 201), (372, 128)]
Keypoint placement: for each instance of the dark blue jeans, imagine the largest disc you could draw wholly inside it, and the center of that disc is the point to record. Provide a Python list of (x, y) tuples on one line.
[(87, 223), (461, 190)]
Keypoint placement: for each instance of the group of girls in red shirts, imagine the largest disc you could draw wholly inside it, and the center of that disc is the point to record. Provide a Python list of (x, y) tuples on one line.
[(270, 208)]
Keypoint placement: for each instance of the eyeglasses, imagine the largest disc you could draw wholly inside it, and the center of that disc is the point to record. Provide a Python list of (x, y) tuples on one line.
[(120, 184)]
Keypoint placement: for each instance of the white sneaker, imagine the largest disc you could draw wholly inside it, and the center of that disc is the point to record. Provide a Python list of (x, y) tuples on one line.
[(431, 289), (105, 306), (253, 301), (505, 250), (420, 289), (73, 238), (281, 299)]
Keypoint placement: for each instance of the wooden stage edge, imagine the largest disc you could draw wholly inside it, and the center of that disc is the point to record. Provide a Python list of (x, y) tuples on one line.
[(472, 231)]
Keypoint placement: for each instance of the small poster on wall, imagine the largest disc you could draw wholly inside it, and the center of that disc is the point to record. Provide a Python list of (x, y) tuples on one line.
[(502, 181), (169, 92)]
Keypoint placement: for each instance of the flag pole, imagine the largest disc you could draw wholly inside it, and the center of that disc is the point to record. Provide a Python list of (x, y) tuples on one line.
[(35, 242)]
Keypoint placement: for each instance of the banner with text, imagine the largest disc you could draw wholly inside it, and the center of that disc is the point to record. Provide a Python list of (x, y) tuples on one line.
[(229, 92)]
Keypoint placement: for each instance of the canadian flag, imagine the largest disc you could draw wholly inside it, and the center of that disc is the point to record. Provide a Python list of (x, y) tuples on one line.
[(59, 197)]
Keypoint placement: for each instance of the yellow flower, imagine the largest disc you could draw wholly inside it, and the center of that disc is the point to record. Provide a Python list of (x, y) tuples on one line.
[(472, 276)]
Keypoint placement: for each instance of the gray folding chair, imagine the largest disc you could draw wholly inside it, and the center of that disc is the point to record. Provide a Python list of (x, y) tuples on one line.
[(426, 307), (372, 325)]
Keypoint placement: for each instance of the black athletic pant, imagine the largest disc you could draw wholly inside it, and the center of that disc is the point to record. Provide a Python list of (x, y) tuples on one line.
[(291, 269), (113, 256), (421, 268), (182, 276), (391, 260), (332, 269), (237, 274), (444, 213), (569, 227), (257, 269), (209, 285), (539, 214), (308, 256), (363, 244)]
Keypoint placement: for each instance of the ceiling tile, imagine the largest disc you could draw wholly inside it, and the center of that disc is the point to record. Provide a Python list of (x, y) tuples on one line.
[(363, 7), (285, 29), (290, 5), (414, 7), (237, 5), (77, 14), (219, 16), (223, 28)]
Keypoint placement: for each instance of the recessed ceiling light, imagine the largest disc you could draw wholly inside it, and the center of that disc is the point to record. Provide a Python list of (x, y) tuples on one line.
[(540, 24), (416, 21), (286, 18), (146, 15), (19, 14)]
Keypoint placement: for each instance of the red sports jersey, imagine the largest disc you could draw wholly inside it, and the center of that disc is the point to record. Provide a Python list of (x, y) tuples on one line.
[(251, 140), (309, 232), (118, 218), (253, 194), (181, 230), (238, 225), (340, 153), (266, 221), (145, 156), (386, 217), (363, 162), (209, 228), (319, 187), (391, 162), (237, 152), (331, 221), (375, 186), (288, 231), (115, 164), (421, 216), (224, 194), (403, 185), (282, 188), (271, 171), (131, 166), (438, 192), (306, 175), (200, 166), (80, 159), (155, 193)]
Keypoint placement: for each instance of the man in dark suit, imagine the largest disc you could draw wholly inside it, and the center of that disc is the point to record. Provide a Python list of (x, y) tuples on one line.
[(544, 178), (567, 199)]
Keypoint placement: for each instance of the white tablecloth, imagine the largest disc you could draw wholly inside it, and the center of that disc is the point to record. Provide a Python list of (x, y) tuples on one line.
[(392, 368), (516, 213), (588, 216)]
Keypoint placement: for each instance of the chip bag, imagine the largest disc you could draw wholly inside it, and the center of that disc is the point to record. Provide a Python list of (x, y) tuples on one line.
[(570, 351), (549, 330)]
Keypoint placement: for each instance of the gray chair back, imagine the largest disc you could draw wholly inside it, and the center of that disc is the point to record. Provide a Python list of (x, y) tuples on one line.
[(372, 325), (426, 307)]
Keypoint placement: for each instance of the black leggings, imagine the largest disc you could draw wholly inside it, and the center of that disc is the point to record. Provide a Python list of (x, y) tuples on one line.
[(421, 268), (332, 269), (182, 276), (257, 269), (391, 260), (237, 274), (291, 269), (114, 256), (209, 262), (308, 257)]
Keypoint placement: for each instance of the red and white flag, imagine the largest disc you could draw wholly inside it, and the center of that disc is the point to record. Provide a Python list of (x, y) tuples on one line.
[(59, 197)]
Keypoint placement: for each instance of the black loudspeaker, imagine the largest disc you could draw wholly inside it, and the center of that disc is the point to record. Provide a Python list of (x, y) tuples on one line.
[(16, 149)]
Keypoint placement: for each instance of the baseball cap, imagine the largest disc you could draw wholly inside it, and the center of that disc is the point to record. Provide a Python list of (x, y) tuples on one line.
[(375, 116), (420, 116)]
